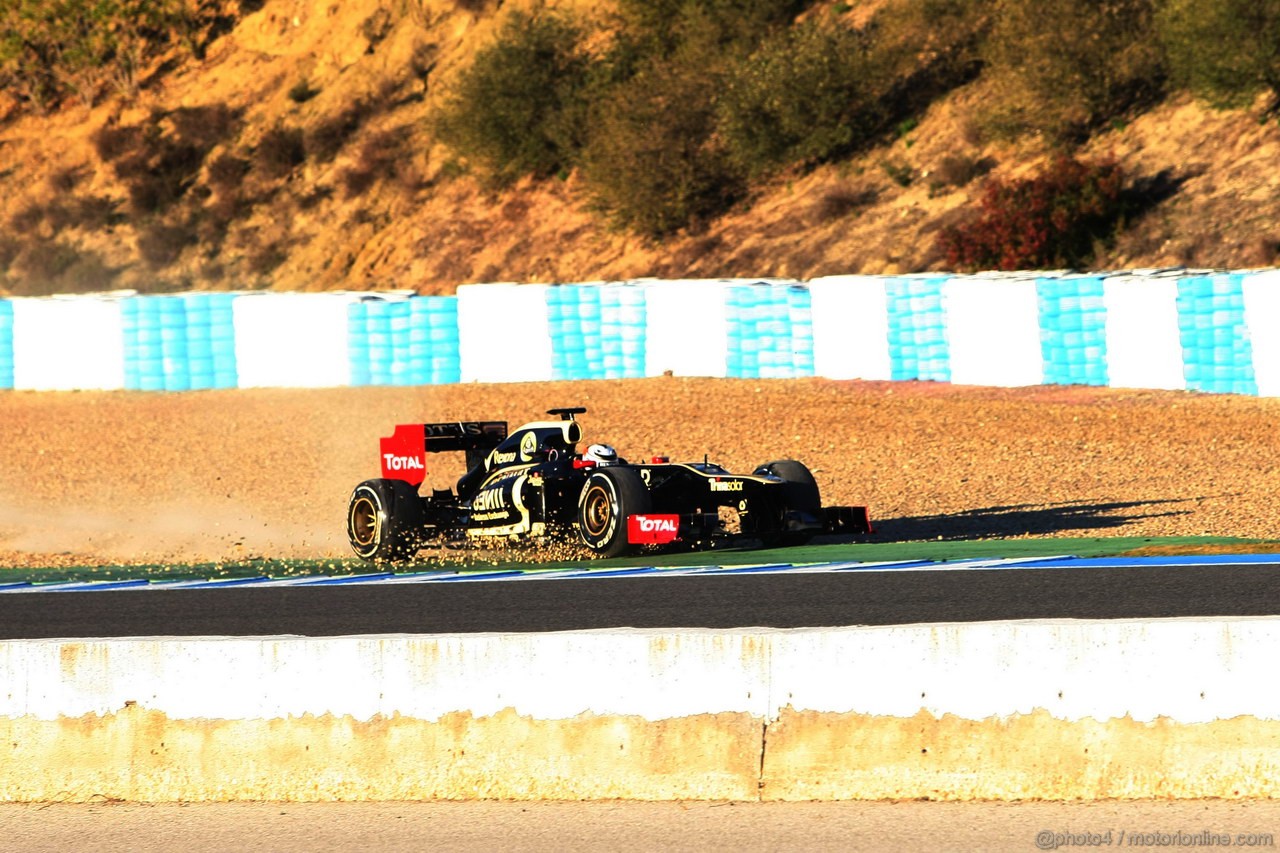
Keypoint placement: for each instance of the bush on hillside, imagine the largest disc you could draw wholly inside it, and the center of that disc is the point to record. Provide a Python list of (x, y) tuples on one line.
[(90, 213), (511, 112), (44, 267), (653, 160), (159, 167), (805, 95), (207, 124), (956, 170), (925, 48), (327, 138), (226, 172), (380, 157), (1224, 50), (113, 141), (280, 151), (79, 48), (1053, 220), (1065, 67), (158, 173), (660, 26), (160, 244)]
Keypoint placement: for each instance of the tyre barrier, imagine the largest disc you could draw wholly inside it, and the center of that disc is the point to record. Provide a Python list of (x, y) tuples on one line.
[(6, 344), (1162, 329), (1070, 709)]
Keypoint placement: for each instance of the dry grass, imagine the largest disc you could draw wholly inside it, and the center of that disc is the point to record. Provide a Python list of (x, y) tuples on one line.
[(1223, 215)]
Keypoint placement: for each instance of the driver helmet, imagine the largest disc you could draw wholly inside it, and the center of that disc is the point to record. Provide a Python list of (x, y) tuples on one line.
[(601, 454)]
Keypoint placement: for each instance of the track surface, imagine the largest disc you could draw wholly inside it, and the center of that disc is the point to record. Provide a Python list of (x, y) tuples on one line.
[(790, 599)]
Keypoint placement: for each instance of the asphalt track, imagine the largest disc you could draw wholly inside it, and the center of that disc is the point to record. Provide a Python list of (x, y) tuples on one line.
[(792, 598)]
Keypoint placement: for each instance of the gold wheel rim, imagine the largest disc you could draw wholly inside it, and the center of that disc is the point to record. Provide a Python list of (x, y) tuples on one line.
[(364, 521), (597, 511)]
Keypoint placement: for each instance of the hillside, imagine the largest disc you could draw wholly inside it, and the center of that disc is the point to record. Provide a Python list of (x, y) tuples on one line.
[(383, 206)]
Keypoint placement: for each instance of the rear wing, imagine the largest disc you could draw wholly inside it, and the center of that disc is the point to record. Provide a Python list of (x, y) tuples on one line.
[(404, 451)]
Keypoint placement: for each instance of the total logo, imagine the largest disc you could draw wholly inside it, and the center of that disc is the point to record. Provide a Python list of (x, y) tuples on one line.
[(391, 462), (652, 529), (649, 525)]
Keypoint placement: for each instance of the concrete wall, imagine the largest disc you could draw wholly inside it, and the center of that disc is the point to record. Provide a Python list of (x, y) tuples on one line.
[(1071, 709)]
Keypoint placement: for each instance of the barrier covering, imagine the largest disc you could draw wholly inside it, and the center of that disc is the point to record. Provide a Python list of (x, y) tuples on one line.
[(1207, 331), (179, 343), (6, 344), (504, 333), (434, 341), (1143, 345), (850, 327), (975, 308), (1217, 352), (68, 343), (1261, 293), (577, 336), (291, 340), (378, 340), (770, 331), (1073, 329), (211, 329), (918, 345), (623, 325), (687, 330)]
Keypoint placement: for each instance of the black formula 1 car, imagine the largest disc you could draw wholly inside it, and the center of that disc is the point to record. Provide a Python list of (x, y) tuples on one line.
[(533, 485)]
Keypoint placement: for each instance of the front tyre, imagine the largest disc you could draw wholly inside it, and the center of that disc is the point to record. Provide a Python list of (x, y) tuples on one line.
[(607, 498), (801, 515), (384, 521)]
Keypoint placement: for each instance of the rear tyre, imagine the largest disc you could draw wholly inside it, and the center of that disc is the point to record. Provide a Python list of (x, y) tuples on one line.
[(801, 503), (607, 498), (384, 521)]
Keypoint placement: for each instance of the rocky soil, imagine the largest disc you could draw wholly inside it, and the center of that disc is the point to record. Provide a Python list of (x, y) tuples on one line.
[(125, 477)]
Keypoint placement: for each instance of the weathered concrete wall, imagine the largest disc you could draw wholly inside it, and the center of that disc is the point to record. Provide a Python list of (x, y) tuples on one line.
[(1073, 709), (142, 755), (824, 756)]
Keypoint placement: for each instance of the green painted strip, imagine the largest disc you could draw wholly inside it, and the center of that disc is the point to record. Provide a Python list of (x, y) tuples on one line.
[(866, 552)]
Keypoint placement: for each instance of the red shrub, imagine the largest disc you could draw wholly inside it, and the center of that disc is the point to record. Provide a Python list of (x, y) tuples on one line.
[(1052, 220)]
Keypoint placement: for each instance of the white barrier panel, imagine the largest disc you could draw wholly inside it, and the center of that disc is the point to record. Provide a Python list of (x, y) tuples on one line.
[(1067, 710), (850, 327), (1262, 317), (292, 340), (504, 333), (687, 328), (1180, 670), (1144, 349), (68, 343), (544, 676), (993, 329)]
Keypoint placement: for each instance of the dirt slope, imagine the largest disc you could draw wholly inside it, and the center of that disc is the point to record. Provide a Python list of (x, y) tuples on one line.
[(126, 477), (425, 227)]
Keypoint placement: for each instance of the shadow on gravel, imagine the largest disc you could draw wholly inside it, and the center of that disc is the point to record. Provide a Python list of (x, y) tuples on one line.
[(1026, 520)]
